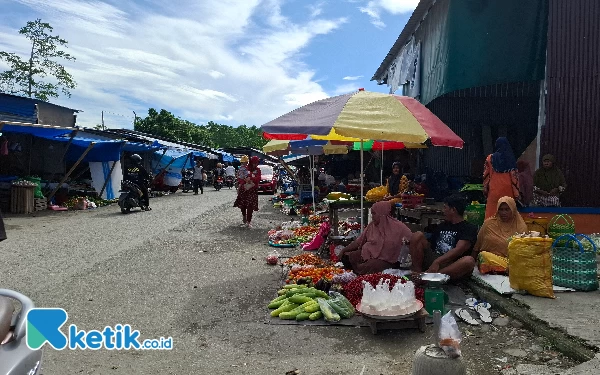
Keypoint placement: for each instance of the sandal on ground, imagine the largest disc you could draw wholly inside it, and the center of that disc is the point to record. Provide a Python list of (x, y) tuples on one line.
[(465, 316), (484, 314), (472, 302)]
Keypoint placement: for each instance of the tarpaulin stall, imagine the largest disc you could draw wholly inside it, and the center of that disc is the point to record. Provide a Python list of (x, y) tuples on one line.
[(171, 162)]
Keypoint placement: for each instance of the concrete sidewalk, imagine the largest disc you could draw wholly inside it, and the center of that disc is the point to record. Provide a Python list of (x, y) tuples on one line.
[(571, 322)]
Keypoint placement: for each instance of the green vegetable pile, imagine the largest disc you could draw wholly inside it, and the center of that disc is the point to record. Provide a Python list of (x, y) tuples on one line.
[(301, 302)]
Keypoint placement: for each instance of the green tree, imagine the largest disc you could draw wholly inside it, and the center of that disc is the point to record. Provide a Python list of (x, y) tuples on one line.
[(165, 124), (25, 77)]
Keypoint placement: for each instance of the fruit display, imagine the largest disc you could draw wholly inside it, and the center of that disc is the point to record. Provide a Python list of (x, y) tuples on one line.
[(292, 235), (404, 184), (301, 302), (305, 260), (317, 219), (314, 273)]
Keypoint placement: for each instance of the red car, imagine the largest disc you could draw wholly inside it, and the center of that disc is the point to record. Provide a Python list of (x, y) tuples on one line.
[(268, 180)]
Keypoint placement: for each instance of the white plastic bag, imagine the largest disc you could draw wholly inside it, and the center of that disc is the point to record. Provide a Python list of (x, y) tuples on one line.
[(450, 336)]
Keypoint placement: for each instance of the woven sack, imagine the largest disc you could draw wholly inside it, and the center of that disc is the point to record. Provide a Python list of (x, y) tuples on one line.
[(574, 265), (560, 225), (530, 265)]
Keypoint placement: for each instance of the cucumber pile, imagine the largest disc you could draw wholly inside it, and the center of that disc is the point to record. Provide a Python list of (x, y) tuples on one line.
[(301, 302)]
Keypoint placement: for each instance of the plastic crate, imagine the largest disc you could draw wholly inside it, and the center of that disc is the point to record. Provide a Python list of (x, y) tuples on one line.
[(412, 201)]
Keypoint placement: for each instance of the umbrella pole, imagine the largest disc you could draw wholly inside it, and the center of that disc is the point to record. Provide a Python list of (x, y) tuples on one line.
[(312, 175), (381, 165), (362, 186)]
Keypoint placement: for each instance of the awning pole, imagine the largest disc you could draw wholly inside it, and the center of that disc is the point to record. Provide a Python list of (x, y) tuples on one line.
[(159, 160), (92, 144), (362, 185), (73, 134)]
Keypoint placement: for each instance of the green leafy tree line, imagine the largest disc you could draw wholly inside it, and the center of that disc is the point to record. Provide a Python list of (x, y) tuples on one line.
[(165, 124), (39, 75)]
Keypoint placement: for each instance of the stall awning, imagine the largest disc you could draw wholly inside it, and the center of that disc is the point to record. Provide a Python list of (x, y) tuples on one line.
[(141, 147), (37, 130)]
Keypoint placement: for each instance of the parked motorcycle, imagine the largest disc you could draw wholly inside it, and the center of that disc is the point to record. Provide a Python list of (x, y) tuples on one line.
[(131, 196), (187, 180), (15, 356), (230, 181), (218, 183)]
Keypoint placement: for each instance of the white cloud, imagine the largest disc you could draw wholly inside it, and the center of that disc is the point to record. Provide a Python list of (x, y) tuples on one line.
[(352, 78), (316, 9), (226, 65), (346, 88), (374, 8)]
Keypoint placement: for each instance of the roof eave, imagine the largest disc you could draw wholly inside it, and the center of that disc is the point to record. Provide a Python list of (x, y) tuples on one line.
[(411, 26)]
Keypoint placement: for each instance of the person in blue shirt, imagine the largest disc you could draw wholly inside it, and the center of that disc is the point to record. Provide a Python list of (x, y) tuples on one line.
[(339, 186)]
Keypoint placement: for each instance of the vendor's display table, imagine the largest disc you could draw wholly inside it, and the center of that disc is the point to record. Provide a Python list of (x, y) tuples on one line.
[(334, 207), (22, 201), (415, 321), (425, 215)]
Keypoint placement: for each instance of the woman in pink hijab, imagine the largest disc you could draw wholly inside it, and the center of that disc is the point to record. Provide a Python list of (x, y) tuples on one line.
[(378, 247)]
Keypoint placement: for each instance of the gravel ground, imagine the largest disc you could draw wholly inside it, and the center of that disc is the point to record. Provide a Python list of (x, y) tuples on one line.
[(187, 270)]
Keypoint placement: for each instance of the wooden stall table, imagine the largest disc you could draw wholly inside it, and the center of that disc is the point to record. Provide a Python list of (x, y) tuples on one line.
[(424, 214), (21, 199), (334, 207)]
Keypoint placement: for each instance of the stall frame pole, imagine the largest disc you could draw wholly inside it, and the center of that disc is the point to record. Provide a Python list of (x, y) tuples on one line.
[(51, 195)]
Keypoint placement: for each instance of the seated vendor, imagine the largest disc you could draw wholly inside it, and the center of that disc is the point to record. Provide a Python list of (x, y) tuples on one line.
[(448, 250), (378, 247), (491, 248), (339, 186), (394, 195)]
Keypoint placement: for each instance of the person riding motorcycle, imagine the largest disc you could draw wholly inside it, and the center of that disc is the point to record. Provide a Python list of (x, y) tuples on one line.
[(218, 172), (137, 174)]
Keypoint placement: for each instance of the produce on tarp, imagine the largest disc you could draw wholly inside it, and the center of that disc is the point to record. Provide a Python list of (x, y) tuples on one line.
[(315, 273), (306, 259), (354, 289), (301, 302)]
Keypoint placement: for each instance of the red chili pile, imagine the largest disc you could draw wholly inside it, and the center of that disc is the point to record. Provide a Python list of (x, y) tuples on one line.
[(353, 290)]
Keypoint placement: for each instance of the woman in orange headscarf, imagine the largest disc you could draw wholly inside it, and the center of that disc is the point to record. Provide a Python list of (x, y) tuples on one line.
[(247, 199), (378, 247), (500, 177), (491, 248)]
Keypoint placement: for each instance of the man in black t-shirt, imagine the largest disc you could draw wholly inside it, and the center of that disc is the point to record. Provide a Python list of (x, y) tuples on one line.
[(449, 248)]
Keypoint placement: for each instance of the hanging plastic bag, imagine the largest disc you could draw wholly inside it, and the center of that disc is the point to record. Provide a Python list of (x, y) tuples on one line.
[(341, 305), (450, 336)]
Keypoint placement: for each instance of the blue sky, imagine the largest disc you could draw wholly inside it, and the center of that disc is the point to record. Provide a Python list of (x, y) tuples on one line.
[(230, 61)]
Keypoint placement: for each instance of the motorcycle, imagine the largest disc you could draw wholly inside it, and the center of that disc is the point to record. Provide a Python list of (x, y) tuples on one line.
[(230, 181), (131, 196), (15, 356), (218, 183), (187, 181)]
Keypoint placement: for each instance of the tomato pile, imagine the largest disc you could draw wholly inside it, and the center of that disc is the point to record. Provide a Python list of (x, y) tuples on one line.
[(353, 290), (315, 273), (307, 259)]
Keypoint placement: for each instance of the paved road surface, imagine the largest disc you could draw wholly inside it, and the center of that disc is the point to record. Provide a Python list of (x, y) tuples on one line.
[(187, 270)]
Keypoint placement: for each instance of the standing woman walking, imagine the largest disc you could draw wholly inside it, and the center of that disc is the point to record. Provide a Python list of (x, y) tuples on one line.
[(500, 177), (247, 199)]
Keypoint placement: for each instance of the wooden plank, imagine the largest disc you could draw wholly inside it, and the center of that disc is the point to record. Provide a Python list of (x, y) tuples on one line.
[(87, 150)]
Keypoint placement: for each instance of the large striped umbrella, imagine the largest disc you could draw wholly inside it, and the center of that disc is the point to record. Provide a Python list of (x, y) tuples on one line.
[(361, 116)]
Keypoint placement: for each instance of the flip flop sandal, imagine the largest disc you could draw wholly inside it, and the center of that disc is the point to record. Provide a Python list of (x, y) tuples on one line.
[(472, 302), (484, 314), (465, 316)]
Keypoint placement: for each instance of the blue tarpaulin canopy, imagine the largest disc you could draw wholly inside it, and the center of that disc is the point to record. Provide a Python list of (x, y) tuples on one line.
[(36, 130), (181, 159), (141, 147)]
